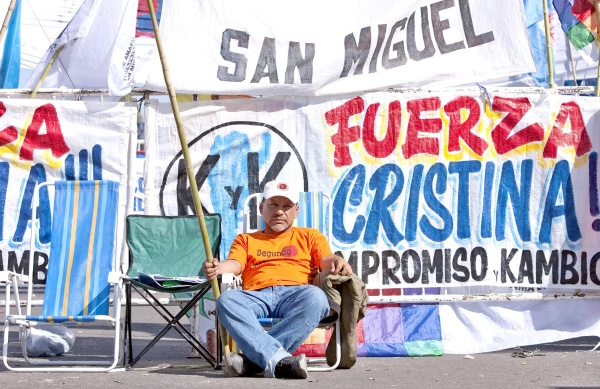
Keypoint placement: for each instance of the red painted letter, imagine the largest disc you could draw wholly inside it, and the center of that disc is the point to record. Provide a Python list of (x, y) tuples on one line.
[(53, 139), (515, 109), (345, 135), (414, 144), (457, 130), (9, 134), (382, 148), (577, 137)]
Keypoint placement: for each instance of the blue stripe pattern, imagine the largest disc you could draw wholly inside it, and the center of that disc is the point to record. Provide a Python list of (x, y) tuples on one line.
[(81, 251), (62, 319), (312, 211), (565, 15), (268, 321)]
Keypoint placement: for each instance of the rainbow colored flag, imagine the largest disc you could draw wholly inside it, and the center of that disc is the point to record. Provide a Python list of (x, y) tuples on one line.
[(578, 20), (389, 330), (144, 23)]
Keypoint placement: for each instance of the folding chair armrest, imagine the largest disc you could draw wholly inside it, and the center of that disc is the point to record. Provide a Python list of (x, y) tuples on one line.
[(330, 320), (12, 280), (230, 281), (115, 277), (8, 276)]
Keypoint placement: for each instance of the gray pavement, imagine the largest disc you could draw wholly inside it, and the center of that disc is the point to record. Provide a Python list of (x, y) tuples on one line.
[(566, 364)]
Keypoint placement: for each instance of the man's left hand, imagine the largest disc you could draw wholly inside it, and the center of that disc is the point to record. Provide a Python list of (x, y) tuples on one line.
[(340, 266)]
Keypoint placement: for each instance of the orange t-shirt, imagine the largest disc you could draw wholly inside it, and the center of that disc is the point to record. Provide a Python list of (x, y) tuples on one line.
[(290, 258)]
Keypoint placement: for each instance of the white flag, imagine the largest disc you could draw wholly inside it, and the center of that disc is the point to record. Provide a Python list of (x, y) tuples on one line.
[(98, 49)]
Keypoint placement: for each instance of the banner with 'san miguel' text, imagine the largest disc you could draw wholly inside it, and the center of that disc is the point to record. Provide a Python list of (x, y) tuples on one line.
[(318, 48), (45, 141), (427, 189)]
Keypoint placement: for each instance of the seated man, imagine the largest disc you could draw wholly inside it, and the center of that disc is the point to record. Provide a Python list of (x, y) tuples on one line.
[(277, 267)]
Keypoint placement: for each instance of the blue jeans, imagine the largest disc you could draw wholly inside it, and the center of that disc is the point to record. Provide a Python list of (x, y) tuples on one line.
[(300, 307)]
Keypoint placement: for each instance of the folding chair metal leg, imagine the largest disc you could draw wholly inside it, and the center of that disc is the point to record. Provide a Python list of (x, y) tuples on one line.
[(66, 366), (218, 366), (127, 346), (172, 322), (338, 352), (194, 329)]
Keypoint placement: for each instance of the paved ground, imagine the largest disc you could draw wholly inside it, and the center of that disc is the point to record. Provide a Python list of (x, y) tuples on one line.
[(567, 364)]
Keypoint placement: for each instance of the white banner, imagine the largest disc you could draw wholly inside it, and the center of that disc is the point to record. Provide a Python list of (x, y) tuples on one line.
[(45, 141), (443, 189), (479, 327), (338, 46)]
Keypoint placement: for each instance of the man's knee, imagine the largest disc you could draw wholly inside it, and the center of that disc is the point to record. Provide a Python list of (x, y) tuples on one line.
[(317, 299), (227, 298)]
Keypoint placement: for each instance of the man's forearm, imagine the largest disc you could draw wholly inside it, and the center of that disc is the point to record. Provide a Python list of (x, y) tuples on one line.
[(230, 266)]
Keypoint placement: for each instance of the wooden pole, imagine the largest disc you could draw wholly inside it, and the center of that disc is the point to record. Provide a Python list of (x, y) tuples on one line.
[(11, 7), (548, 44), (188, 161), (9, 13), (597, 9), (572, 62), (45, 73)]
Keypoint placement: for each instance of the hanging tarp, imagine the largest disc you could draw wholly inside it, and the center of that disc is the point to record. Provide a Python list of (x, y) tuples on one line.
[(430, 189), (44, 141), (339, 46)]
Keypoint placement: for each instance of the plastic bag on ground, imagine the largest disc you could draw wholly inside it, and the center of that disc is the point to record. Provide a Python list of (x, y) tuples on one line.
[(49, 341)]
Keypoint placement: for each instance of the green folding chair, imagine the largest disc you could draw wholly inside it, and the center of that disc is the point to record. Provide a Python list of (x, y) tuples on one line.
[(172, 247)]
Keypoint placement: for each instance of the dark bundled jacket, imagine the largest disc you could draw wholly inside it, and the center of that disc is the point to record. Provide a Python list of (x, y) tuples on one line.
[(348, 297)]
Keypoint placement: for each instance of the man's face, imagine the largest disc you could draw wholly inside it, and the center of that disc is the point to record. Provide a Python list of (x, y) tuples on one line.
[(278, 213)]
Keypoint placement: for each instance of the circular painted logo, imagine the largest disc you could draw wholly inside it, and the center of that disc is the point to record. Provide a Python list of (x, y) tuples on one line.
[(289, 251), (232, 161)]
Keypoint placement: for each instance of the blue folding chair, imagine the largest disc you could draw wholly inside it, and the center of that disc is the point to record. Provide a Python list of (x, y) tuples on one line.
[(82, 269), (315, 212)]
